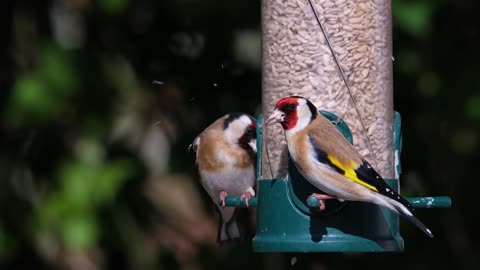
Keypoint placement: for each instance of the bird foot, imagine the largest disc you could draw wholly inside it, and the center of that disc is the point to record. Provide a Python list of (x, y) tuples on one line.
[(321, 199), (223, 195), (246, 195)]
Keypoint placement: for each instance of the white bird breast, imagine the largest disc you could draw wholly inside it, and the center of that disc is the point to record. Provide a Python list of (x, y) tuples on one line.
[(234, 181)]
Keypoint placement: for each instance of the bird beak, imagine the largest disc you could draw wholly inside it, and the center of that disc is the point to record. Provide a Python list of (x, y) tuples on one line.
[(276, 117), (253, 145)]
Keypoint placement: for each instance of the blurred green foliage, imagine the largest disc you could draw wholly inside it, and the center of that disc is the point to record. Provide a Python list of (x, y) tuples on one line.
[(472, 107), (415, 17), (113, 7), (84, 186), (42, 93), (87, 136)]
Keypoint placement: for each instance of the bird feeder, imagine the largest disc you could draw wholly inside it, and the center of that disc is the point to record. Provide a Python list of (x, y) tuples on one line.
[(337, 54), (288, 222)]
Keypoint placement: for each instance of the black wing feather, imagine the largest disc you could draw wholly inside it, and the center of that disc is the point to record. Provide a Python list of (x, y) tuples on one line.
[(322, 156), (366, 173)]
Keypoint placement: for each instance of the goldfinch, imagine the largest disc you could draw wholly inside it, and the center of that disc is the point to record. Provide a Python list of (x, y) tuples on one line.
[(225, 153), (329, 162)]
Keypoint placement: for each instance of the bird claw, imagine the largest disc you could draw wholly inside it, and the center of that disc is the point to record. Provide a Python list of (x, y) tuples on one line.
[(321, 199), (246, 195), (223, 195), (322, 205)]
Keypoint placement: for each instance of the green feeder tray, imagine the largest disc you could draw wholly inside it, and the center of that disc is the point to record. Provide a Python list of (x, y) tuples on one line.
[(287, 221)]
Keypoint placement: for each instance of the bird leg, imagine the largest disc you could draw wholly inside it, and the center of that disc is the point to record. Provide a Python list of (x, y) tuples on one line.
[(223, 195), (246, 195), (321, 199)]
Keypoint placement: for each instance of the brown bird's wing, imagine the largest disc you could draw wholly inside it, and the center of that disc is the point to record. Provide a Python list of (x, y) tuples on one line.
[(344, 159)]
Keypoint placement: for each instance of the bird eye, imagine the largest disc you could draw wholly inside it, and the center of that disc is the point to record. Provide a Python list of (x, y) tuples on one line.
[(249, 129), (291, 107)]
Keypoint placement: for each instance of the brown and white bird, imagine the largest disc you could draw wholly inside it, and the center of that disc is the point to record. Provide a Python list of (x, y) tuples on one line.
[(329, 162), (225, 157)]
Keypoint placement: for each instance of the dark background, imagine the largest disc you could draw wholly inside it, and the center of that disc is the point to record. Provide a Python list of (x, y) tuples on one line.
[(100, 99)]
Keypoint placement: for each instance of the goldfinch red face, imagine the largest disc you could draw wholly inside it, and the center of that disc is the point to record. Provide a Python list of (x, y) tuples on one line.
[(292, 112)]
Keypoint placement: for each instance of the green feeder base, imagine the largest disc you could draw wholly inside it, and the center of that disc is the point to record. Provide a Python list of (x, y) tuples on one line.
[(358, 227)]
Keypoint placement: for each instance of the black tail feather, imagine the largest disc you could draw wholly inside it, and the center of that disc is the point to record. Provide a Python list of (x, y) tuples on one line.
[(416, 221)]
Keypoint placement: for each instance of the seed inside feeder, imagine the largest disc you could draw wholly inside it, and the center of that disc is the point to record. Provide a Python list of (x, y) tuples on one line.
[(298, 61)]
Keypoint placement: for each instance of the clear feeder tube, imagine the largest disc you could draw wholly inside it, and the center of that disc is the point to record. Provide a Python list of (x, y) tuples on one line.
[(296, 60)]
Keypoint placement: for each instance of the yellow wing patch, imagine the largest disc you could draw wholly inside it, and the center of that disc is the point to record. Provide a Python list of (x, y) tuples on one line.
[(350, 173)]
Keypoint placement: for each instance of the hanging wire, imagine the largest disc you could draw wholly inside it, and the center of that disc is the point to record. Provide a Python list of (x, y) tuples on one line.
[(344, 78), (266, 147)]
